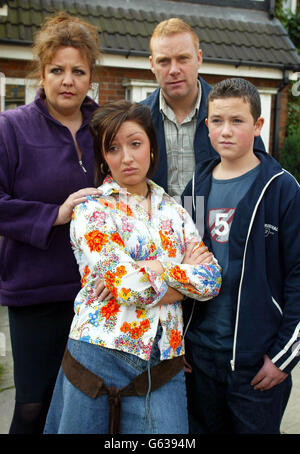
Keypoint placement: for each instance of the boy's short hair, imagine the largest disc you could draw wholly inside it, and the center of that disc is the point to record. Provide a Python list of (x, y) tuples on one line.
[(173, 26), (237, 88)]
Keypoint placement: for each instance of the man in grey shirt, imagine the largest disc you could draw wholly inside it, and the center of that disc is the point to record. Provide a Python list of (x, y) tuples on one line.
[(178, 106)]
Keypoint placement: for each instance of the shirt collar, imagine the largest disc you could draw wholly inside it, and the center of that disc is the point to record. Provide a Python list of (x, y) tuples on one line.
[(110, 186)]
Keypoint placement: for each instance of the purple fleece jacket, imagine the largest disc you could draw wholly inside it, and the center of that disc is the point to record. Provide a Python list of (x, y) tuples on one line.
[(39, 169)]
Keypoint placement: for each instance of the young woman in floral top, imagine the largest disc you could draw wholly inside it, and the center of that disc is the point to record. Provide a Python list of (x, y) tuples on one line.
[(146, 249)]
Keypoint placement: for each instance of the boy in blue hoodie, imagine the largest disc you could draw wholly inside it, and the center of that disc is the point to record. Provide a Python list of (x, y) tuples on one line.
[(243, 345)]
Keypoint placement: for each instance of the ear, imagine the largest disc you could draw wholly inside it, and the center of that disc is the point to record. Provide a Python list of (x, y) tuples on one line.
[(206, 122), (199, 58), (151, 64), (258, 126)]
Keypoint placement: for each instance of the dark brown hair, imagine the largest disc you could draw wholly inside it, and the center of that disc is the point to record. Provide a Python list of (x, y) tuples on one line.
[(237, 88), (60, 30), (105, 124)]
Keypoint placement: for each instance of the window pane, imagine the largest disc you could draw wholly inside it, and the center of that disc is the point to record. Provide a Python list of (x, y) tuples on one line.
[(14, 96)]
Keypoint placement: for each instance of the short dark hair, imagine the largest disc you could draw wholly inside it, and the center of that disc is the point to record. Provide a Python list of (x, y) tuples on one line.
[(237, 88), (106, 122)]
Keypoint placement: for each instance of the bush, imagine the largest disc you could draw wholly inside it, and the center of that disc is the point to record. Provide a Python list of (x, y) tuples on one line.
[(290, 154)]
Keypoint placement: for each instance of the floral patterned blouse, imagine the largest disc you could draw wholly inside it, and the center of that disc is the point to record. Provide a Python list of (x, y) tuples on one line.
[(109, 234)]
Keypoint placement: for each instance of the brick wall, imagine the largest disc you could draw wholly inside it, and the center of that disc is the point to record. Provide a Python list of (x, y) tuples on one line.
[(14, 68), (111, 79)]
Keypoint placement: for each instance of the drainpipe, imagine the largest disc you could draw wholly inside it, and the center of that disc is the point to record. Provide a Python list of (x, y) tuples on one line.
[(271, 9), (276, 133)]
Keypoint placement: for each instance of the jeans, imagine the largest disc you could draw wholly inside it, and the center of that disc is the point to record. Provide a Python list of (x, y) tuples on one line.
[(163, 411), (223, 401)]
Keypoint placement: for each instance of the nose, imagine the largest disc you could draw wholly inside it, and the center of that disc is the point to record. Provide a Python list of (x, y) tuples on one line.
[(127, 155), (68, 78), (174, 67), (226, 130)]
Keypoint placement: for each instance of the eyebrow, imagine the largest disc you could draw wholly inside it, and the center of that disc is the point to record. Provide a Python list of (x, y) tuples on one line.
[(136, 132), (168, 57), (236, 115), (62, 65)]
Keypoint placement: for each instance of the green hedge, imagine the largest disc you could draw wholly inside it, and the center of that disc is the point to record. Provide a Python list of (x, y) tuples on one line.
[(290, 154)]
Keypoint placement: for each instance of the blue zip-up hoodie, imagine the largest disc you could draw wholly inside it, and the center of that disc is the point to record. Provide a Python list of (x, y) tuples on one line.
[(264, 265), (203, 149)]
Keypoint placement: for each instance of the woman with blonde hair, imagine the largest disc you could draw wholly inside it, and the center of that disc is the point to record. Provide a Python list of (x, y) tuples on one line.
[(46, 161)]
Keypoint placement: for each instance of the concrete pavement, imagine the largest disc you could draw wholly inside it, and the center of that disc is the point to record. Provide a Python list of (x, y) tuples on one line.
[(290, 422)]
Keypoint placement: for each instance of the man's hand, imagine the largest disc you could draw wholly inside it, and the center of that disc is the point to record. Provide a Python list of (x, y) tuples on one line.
[(268, 376)]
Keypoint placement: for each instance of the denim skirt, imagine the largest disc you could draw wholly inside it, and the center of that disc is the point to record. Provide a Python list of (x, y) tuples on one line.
[(163, 411)]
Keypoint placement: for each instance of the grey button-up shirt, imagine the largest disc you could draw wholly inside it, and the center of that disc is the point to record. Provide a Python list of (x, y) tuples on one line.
[(179, 145)]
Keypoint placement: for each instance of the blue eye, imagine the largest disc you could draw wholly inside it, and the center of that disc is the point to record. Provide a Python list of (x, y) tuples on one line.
[(55, 70)]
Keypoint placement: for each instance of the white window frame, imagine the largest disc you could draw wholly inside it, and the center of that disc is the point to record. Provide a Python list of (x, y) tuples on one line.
[(290, 5), (266, 105), (31, 86), (136, 90)]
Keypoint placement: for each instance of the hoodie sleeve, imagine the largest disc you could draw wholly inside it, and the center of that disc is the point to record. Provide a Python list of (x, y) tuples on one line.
[(21, 220), (285, 352)]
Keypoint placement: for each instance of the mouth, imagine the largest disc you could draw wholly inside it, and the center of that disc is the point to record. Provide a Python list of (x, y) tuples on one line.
[(176, 83), (129, 170), (67, 94), (226, 144)]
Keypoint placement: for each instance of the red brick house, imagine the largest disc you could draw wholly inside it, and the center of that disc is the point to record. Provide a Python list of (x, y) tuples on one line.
[(238, 39)]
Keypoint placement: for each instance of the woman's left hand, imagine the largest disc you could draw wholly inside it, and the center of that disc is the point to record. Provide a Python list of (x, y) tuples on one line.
[(66, 209)]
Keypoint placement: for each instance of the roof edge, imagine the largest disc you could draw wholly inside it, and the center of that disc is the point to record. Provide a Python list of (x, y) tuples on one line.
[(134, 53), (236, 63)]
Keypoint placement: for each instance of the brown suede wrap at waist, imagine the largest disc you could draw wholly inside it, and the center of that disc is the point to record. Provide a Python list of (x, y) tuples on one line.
[(94, 386)]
